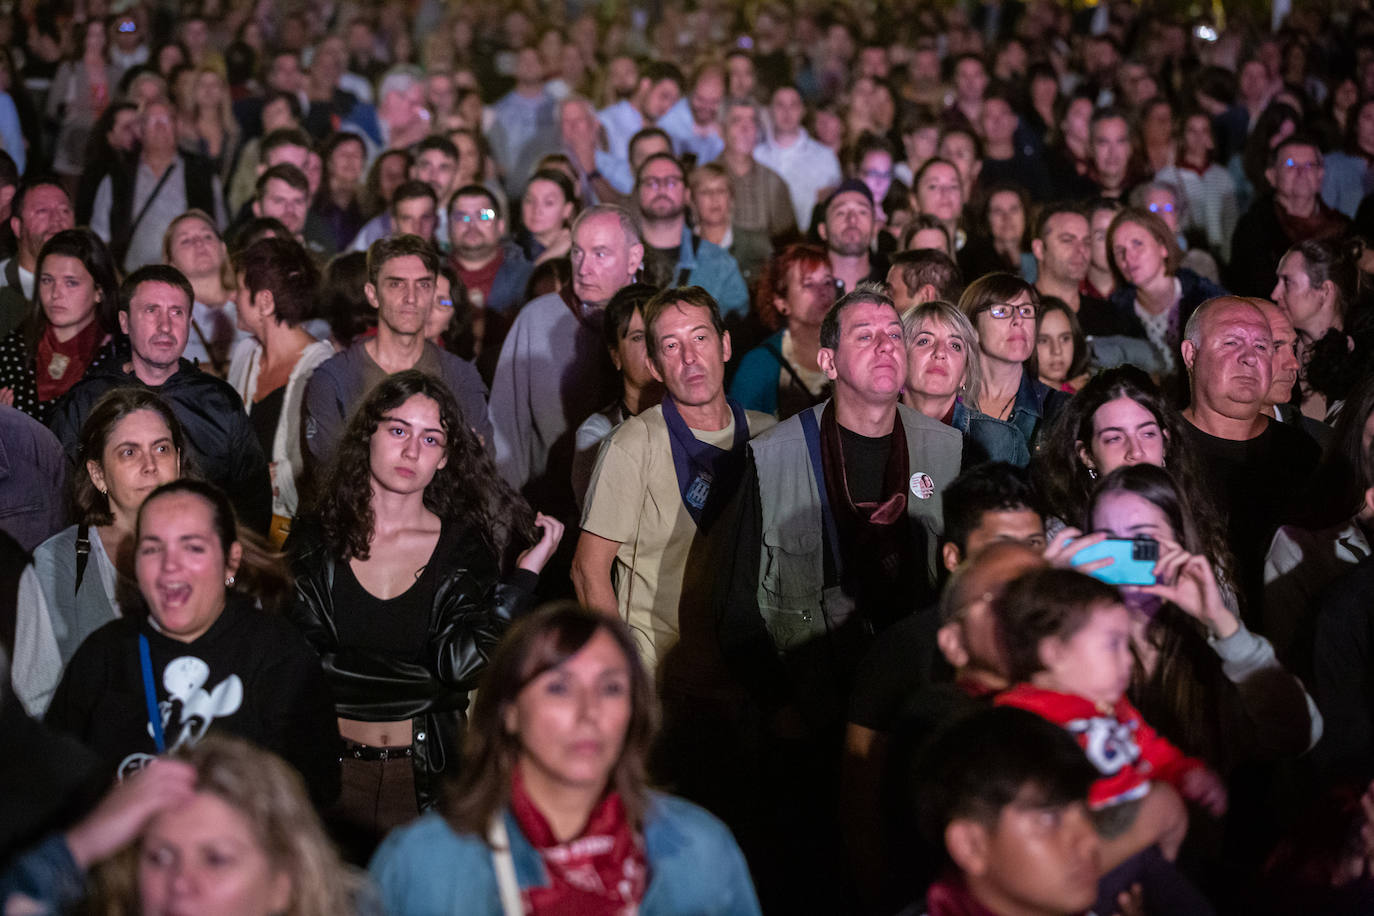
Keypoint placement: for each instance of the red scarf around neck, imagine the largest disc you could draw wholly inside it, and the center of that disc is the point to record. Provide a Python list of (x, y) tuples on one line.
[(60, 364), (602, 872)]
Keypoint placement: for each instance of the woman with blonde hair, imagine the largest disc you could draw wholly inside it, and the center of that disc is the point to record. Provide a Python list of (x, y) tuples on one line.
[(944, 378), (211, 130), (552, 789), (193, 245), (144, 843)]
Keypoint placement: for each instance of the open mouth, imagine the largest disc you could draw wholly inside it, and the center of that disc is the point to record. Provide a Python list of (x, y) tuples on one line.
[(175, 595)]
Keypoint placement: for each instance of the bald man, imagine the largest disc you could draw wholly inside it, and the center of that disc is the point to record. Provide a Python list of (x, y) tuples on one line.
[(881, 737), (1257, 468)]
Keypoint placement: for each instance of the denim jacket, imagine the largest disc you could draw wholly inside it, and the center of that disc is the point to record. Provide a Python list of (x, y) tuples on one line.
[(1036, 406), (701, 263), (989, 439), (695, 867)]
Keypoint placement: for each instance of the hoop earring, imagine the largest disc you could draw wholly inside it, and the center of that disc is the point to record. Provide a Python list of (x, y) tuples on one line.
[(228, 581)]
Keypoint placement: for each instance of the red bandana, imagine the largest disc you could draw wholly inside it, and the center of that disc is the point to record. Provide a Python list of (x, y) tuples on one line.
[(60, 364), (949, 896), (603, 872)]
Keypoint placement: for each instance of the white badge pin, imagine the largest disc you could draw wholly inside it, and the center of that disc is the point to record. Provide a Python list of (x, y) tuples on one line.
[(922, 487)]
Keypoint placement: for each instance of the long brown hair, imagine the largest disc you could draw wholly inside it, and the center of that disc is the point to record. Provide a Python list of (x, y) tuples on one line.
[(536, 644), (1186, 693), (466, 489)]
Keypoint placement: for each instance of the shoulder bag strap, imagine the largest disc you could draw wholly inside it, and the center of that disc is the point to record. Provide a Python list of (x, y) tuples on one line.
[(83, 554), (501, 860), (157, 189), (811, 430), (684, 273)]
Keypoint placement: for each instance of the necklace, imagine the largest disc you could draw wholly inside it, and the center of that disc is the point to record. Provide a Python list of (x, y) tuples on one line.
[(1005, 410)]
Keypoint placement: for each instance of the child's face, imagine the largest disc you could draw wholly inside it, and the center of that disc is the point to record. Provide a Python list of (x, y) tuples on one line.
[(1095, 662)]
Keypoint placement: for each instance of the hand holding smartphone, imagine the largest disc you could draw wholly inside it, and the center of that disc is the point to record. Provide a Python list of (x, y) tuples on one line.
[(1132, 560)]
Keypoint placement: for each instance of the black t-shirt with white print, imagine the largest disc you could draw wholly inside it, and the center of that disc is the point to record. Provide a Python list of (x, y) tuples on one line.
[(251, 675)]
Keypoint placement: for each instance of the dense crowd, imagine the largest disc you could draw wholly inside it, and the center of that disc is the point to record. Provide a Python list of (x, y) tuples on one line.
[(686, 458)]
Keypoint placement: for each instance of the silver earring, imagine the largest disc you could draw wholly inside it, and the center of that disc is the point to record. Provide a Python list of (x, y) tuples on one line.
[(229, 581), (1092, 473)]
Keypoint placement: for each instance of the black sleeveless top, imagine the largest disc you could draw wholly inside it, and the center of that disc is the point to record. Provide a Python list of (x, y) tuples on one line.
[(396, 626)]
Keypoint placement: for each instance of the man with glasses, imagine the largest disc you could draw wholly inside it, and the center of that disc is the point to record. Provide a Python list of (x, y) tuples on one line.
[(127, 49), (1293, 212), (673, 254), (493, 270)]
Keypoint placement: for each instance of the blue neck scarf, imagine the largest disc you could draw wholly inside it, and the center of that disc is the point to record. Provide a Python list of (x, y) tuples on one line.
[(706, 475)]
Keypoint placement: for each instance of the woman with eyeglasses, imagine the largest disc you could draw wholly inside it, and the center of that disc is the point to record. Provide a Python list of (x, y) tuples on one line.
[(1154, 295), (277, 285), (943, 374), (1002, 308)]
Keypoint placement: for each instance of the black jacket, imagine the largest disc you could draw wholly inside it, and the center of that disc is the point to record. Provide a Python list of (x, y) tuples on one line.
[(472, 609), (219, 435), (250, 674), (1197, 289), (1260, 242), (198, 177)]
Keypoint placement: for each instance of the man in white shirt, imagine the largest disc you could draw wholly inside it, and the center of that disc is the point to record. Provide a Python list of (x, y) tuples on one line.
[(520, 114), (40, 209), (806, 165), (694, 122)]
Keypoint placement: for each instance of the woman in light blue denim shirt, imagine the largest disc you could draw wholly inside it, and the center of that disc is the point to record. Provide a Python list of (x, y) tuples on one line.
[(552, 786), (943, 380)]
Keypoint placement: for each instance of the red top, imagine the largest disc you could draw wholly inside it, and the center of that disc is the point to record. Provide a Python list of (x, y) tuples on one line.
[(1125, 750)]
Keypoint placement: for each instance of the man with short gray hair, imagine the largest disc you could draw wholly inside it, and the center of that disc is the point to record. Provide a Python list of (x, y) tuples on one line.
[(554, 370), (400, 119)]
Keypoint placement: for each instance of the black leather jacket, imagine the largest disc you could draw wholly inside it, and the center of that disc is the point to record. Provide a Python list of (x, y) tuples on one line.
[(472, 609)]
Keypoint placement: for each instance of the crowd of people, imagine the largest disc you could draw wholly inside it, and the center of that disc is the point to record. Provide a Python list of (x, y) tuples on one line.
[(686, 458)]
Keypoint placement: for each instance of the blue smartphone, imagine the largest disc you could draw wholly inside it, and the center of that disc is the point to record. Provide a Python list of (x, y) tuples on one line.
[(1133, 560)]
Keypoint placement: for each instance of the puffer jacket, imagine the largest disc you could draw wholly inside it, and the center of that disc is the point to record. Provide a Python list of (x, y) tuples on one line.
[(472, 609)]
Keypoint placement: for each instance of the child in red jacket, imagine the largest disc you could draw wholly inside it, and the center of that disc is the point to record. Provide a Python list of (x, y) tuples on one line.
[(1066, 638)]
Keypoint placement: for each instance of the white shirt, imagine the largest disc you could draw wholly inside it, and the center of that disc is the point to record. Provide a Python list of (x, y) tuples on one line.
[(25, 277), (807, 166)]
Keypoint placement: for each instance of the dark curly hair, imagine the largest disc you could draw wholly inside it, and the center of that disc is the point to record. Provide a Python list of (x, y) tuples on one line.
[(1063, 480), (466, 489)]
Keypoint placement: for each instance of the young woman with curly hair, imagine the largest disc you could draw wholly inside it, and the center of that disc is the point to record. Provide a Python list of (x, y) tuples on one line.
[(400, 588)]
